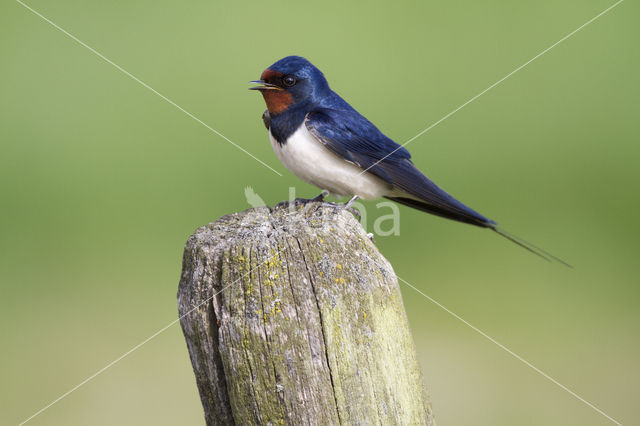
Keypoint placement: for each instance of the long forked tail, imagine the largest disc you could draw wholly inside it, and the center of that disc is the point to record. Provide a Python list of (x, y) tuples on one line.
[(528, 246), (454, 210)]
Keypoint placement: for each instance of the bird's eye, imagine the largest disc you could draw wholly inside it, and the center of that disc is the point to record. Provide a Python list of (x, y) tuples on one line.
[(289, 80)]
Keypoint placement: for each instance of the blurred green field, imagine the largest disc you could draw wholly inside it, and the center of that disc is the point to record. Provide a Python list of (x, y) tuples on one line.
[(102, 181)]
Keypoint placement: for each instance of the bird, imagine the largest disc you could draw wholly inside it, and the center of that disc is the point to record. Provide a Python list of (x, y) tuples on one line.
[(324, 141)]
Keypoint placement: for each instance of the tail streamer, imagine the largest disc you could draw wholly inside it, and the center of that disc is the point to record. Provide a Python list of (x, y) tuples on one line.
[(530, 247)]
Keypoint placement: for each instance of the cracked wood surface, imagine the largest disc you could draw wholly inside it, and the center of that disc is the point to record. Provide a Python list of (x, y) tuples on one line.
[(292, 316)]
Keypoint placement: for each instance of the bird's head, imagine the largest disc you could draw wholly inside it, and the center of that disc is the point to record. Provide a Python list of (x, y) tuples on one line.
[(290, 81)]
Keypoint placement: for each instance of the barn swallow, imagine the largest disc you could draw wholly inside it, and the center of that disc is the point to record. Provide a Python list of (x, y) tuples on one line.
[(324, 141)]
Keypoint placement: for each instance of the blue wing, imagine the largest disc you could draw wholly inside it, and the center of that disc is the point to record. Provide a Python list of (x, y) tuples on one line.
[(351, 136)]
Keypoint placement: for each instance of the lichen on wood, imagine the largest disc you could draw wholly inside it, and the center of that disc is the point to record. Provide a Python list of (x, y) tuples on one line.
[(292, 316)]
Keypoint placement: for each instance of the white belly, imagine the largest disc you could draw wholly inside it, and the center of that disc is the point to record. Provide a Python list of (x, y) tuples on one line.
[(308, 159)]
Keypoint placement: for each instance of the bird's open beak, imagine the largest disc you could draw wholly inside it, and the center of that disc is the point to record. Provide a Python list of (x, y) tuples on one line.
[(264, 86)]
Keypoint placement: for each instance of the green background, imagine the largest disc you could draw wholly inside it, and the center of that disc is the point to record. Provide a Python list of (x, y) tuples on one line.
[(102, 181)]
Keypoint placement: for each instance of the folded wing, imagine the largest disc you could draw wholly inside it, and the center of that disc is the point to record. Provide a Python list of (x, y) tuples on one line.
[(355, 139)]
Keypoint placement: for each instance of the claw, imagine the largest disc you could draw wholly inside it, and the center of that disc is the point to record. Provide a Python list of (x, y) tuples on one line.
[(346, 206), (354, 211)]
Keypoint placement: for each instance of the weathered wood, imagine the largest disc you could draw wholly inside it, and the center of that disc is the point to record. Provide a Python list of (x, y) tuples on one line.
[(292, 316)]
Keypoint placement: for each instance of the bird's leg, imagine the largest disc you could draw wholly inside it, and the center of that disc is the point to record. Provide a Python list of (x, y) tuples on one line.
[(347, 206), (351, 209), (351, 201), (305, 201), (320, 197)]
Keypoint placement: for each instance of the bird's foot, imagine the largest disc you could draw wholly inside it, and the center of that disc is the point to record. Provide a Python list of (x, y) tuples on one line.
[(354, 211), (347, 206), (304, 201), (318, 198), (351, 201), (321, 196)]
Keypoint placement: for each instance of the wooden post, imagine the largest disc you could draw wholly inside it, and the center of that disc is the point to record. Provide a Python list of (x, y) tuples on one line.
[(292, 316)]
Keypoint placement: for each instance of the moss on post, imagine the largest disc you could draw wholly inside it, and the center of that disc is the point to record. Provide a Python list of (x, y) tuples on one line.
[(292, 316)]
